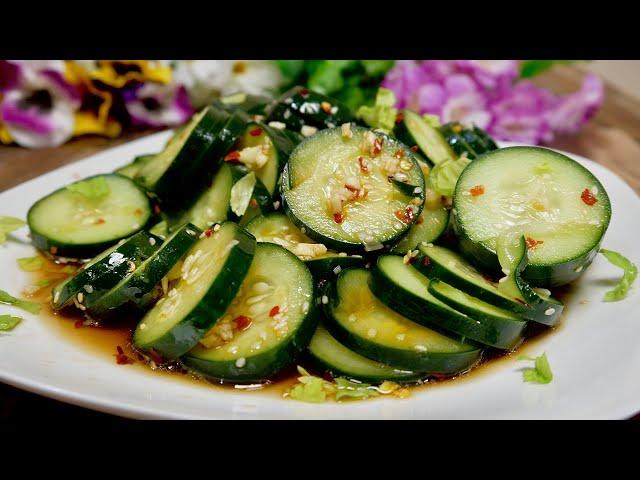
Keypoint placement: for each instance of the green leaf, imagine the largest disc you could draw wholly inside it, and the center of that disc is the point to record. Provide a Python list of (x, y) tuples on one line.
[(94, 188), (310, 388), (290, 69), (444, 176), (383, 113), (31, 264), (531, 68), (327, 78), (8, 322), (621, 290), (541, 371), (30, 307), (349, 389), (241, 193), (8, 225), (375, 68)]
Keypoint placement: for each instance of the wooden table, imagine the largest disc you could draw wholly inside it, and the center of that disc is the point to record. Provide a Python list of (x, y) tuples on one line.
[(612, 138)]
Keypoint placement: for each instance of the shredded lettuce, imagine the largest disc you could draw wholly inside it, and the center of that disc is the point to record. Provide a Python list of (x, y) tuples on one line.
[(94, 188), (30, 307), (444, 176), (348, 389), (8, 225), (241, 193), (310, 388), (8, 322), (541, 371), (382, 115), (621, 290), (31, 264)]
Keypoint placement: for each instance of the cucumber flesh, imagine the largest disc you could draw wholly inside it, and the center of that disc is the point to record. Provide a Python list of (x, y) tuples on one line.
[(430, 226), (414, 130), (267, 325)]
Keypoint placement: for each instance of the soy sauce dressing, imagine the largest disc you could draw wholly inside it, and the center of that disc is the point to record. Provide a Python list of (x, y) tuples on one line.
[(103, 339)]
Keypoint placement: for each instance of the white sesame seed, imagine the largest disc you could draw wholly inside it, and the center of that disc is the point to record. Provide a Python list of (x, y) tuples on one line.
[(233, 349), (372, 332), (334, 110), (417, 190), (143, 326), (276, 205), (337, 270), (308, 130), (550, 311), (579, 269), (216, 227), (342, 254), (594, 190), (352, 318), (80, 297), (190, 232), (303, 230), (305, 307), (325, 299), (400, 336), (420, 348), (88, 288), (56, 297), (241, 362), (277, 125), (331, 125)]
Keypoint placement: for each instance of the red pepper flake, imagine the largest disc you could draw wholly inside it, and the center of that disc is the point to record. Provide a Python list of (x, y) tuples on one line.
[(326, 107), (414, 148), (138, 211), (242, 322), (377, 146), (53, 250), (399, 117), (304, 92), (588, 197), (364, 165), (255, 132), (274, 311), (78, 324), (532, 243), (420, 220), (156, 209), (233, 156), (405, 215), (253, 203), (156, 356), (122, 359), (327, 376), (399, 153), (477, 190), (100, 221), (520, 301), (351, 188), (208, 232), (426, 261), (338, 217), (120, 350)]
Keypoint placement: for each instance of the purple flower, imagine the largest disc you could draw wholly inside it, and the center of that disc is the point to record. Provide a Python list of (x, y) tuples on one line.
[(574, 110), (38, 105), (154, 105)]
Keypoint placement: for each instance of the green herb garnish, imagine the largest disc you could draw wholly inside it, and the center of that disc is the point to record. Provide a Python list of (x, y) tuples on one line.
[(31, 264), (311, 388), (348, 389), (621, 290), (541, 371), (8, 225), (30, 307), (382, 114), (94, 188), (8, 322)]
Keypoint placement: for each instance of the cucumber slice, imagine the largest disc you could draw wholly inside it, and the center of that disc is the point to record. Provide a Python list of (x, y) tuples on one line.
[(431, 224), (268, 324), (337, 188), (277, 228), (414, 130), (102, 273), (538, 193), (456, 136), (212, 273), (439, 263), (300, 106), (250, 104), (260, 201), (361, 322), (330, 355), (70, 224), (266, 150), (138, 288), (403, 289), (131, 170)]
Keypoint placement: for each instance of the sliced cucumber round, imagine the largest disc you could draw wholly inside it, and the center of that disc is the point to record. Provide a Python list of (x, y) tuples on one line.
[(101, 274), (329, 354), (403, 289), (414, 130), (269, 323), (551, 199), (337, 188), (139, 288), (431, 224), (277, 228), (131, 170), (212, 273), (77, 224), (358, 320)]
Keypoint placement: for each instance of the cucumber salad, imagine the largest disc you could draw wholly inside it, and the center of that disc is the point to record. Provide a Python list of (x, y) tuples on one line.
[(372, 250)]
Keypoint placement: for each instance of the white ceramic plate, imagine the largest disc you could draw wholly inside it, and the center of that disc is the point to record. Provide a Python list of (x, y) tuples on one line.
[(595, 354)]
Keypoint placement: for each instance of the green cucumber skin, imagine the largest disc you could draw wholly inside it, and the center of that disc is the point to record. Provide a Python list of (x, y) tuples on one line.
[(186, 334), (103, 276), (457, 142), (84, 251), (398, 249), (136, 292), (484, 136), (339, 245), (426, 363), (293, 101), (500, 334), (322, 268), (539, 275), (402, 133), (284, 142), (322, 365)]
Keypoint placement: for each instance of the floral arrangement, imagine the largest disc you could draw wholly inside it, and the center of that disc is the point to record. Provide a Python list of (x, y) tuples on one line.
[(45, 103)]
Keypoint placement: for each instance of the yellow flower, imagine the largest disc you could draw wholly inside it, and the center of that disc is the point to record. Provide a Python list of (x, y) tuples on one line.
[(117, 73), (5, 136), (90, 123)]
